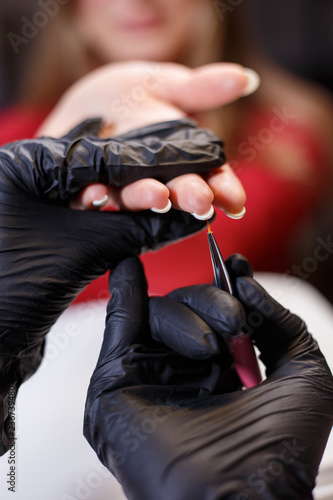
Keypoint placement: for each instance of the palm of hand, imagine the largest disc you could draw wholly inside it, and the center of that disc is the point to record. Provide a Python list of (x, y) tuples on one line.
[(133, 94)]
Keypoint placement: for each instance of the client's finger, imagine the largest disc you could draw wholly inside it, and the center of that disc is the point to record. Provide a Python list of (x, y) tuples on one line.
[(140, 195), (229, 194), (92, 197), (187, 192), (191, 193), (205, 87), (143, 195)]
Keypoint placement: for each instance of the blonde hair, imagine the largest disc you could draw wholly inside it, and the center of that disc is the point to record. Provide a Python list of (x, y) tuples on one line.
[(55, 61)]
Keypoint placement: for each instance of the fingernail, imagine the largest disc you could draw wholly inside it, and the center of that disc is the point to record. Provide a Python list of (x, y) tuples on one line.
[(207, 215), (162, 210), (100, 203), (253, 81), (239, 215)]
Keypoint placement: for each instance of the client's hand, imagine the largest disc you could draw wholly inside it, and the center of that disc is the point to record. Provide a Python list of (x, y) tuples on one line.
[(161, 415), (134, 94), (49, 252)]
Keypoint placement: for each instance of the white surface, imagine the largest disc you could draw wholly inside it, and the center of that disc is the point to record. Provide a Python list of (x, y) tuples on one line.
[(53, 460), (304, 300)]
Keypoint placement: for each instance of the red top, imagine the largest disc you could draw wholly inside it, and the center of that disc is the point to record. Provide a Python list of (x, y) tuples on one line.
[(276, 206)]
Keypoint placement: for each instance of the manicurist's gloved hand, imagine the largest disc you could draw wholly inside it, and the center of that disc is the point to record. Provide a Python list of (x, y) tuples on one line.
[(49, 251), (164, 412)]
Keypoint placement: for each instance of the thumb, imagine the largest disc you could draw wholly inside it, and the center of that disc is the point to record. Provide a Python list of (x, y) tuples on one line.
[(127, 311), (127, 315)]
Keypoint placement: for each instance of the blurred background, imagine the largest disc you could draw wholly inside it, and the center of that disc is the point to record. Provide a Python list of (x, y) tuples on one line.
[(297, 35)]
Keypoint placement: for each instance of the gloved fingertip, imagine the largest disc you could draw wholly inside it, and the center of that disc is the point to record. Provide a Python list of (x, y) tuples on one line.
[(178, 327), (250, 293), (217, 308), (238, 265), (91, 126)]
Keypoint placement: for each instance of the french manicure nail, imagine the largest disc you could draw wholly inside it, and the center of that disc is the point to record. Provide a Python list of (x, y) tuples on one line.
[(100, 203), (207, 215), (253, 81), (239, 215), (162, 210)]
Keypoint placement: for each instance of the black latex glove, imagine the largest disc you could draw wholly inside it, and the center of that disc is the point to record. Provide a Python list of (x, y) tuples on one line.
[(162, 419), (49, 252)]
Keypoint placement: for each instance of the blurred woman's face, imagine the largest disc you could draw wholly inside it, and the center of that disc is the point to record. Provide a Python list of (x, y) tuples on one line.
[(160, 30)]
